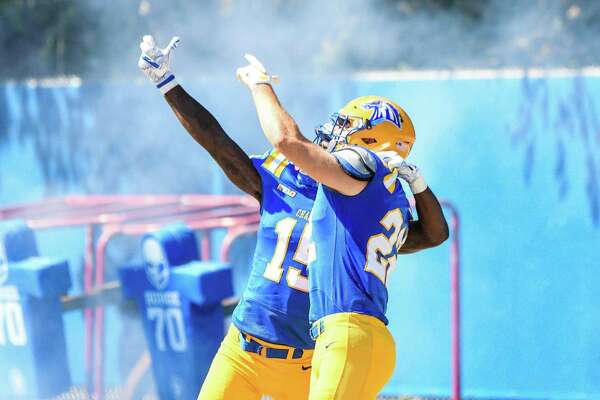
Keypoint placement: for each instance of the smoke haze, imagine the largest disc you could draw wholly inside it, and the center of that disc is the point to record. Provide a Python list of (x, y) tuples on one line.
[(96, 39)]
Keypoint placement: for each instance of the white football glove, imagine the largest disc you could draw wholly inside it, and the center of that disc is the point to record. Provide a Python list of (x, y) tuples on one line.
[(155, 62), (255, 73), (408, 172)]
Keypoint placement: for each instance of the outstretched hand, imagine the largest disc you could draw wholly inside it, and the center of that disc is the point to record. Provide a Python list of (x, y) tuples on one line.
[(155, 62), (255, 73)]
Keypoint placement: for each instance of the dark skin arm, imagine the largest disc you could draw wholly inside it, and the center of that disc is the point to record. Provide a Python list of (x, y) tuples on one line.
[(207, 131), (431, 229)]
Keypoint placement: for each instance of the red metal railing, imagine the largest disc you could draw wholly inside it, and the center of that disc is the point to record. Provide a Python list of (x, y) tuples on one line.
[(140, 214), (455, 359), (203, 223), (128, 215), (231, 236)]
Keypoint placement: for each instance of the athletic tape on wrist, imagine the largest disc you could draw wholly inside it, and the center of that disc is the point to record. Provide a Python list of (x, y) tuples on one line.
[(418, 185), (167, 84)]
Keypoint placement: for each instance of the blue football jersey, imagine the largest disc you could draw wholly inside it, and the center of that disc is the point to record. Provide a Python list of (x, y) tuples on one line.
[(356, 241), (274, 306)]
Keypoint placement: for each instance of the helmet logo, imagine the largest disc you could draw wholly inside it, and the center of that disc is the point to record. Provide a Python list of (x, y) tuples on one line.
[(383, 111)]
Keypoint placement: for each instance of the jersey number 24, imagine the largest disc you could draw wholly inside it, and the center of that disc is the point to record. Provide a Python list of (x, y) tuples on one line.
[(381, 249)]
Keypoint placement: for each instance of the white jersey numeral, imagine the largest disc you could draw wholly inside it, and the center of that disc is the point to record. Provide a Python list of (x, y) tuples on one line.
[(168, 327), (274, 268), (12, 325), (380, 259)]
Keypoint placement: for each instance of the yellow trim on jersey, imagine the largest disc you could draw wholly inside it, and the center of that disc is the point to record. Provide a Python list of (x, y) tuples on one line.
[(275, 163), (390, 181)]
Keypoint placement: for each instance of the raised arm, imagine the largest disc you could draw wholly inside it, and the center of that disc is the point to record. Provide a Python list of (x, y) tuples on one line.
[(196, 119), (431, 228), (207, 131), (283, 133)]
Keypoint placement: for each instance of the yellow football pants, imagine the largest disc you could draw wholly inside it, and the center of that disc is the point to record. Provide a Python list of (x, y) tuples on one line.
[(354, 357), (236, 374)]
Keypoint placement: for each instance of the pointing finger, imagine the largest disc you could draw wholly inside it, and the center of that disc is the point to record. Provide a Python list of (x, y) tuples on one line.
[(254, 61)]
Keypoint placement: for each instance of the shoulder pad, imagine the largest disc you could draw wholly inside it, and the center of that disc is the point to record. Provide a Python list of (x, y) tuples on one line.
[(275, 163), (357, 162)]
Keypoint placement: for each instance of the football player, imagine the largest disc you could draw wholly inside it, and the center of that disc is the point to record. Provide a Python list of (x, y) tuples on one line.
[(360, 222), (268, 349)]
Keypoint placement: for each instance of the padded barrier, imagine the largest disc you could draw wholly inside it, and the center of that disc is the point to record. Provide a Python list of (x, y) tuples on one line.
[(180, 306), (33, 357)]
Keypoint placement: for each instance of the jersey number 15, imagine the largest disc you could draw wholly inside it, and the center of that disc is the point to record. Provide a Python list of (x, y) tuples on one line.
[(274, 269)]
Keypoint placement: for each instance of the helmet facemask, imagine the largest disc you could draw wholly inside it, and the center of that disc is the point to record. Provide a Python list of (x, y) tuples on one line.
[(373, 122), (337, 131)]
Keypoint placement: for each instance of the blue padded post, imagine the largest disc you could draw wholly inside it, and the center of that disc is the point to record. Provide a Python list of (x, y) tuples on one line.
[(178, 243), (33, 357), (18, 241), (41, 277), (180, 301), (204, 283)]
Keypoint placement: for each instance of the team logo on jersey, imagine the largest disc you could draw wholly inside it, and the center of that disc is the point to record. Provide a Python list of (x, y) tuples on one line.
[(383, 111), (3, 267), (304, 214), (157, 266), (286, 190)]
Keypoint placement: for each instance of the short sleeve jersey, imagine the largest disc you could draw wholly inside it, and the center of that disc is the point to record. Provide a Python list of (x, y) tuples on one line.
[(274, 306), (357, 239)]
